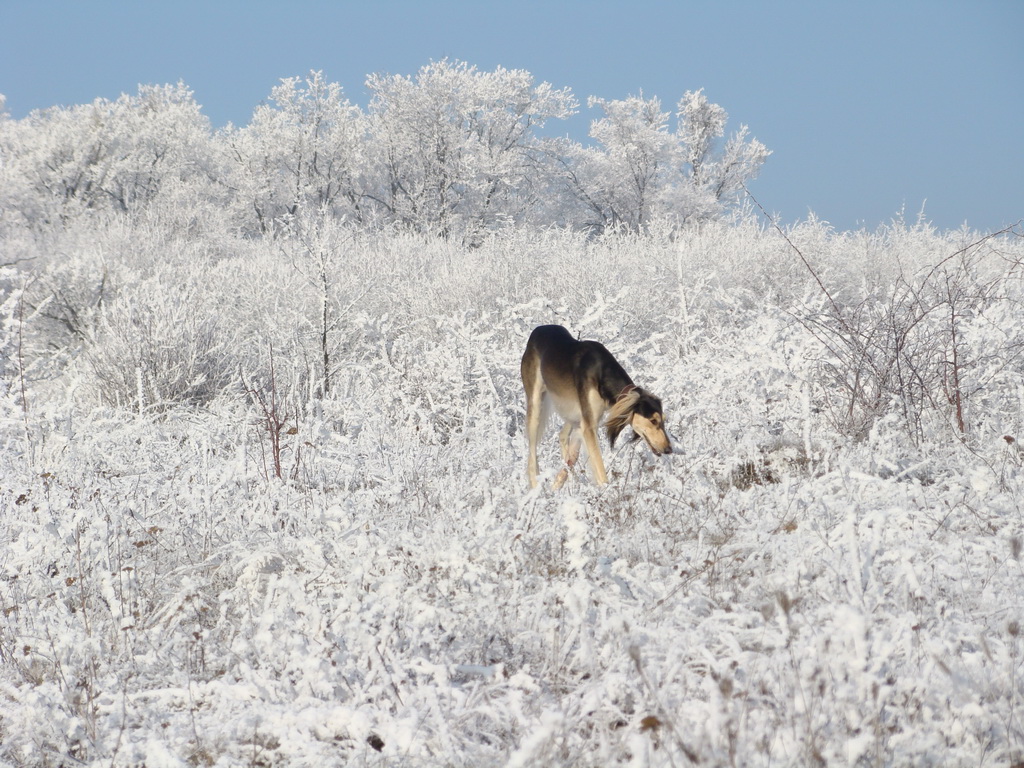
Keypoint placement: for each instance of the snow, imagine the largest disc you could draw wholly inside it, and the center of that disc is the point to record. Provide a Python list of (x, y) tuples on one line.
[(788, 588)]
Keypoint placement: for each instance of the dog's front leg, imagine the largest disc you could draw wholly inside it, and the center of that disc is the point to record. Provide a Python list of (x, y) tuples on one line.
[(594, 454), (534, 425), (570, 440), (591, 409)]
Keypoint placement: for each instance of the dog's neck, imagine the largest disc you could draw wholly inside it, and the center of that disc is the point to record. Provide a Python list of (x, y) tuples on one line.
[(615, 383)]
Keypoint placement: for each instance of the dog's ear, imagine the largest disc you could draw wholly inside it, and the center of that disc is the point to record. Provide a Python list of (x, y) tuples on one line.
[(614, 429), (648, 405)]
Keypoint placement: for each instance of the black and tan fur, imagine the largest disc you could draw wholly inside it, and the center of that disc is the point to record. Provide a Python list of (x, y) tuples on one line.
[(582, 381)]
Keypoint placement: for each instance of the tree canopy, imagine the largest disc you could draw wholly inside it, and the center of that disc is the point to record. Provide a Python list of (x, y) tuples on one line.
[(451, 151)]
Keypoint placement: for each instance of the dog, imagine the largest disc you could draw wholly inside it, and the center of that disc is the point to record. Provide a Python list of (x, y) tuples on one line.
[(582, 381)]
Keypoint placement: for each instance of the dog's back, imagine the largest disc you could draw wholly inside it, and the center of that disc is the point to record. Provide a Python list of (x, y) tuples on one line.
[(550, 340), (566, 366)]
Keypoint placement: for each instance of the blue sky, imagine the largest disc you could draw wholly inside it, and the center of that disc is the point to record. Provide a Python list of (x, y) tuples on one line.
[(870, 106)]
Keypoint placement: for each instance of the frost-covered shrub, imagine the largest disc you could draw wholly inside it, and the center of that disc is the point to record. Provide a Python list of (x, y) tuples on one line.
[(157, 345), (772, 593), (916, 346)]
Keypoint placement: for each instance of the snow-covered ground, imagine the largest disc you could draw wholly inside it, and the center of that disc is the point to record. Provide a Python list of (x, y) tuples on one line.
[(827, 571)]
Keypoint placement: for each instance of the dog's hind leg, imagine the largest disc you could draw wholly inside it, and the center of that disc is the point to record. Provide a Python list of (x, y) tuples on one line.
[(536, 420), (533, 385)]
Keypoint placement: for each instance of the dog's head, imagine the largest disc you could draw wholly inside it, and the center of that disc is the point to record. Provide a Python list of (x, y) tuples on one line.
[(642, 411)]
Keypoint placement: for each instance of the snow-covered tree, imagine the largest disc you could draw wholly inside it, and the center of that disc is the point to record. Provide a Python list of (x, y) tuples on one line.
[(621, 180), (456, 148), (451, 151), (640, 169), (701, 126), (118, 155), (303, 151)]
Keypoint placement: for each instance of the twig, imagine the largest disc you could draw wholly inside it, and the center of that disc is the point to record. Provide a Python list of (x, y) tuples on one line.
[(273, 419), (799, 253)]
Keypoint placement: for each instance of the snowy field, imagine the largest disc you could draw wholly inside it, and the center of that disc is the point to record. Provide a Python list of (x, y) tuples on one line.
[(263, 503)]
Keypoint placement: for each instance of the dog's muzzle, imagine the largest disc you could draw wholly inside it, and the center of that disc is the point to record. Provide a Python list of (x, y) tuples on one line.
[(659, 451)]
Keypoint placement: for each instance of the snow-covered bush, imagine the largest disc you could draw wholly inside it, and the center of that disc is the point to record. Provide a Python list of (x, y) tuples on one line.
[(927, 343), (773, 593), (156, 346)]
